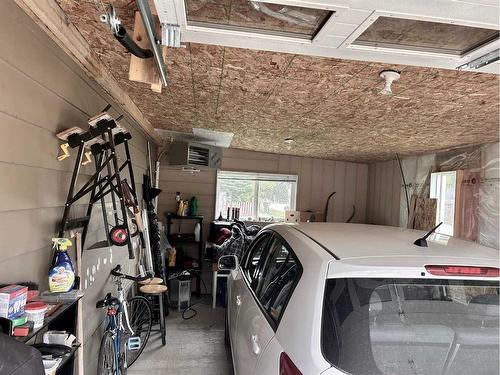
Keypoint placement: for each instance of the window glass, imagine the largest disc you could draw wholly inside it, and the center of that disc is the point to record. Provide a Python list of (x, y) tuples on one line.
[(278, 280), (420, 35), (258, 196), (256, 258), (411, 326), (258, 17)]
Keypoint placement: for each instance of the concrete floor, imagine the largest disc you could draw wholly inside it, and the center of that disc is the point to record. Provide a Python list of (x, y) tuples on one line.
[(194, 346)]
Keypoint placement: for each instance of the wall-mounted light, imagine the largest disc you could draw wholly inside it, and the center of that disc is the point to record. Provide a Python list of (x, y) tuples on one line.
[(389, 76)]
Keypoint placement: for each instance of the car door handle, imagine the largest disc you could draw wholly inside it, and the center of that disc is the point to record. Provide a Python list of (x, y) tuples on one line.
[(255, 344), (238, 301)]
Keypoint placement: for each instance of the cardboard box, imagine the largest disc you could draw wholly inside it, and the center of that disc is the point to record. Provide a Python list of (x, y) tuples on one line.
[(12, 301)]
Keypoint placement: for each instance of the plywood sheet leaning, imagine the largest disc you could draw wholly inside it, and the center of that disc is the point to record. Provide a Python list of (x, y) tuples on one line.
[(422, 213), (467, 205)]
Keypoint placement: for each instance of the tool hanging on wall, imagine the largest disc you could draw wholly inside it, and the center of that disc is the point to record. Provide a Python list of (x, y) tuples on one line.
[(103, 135)]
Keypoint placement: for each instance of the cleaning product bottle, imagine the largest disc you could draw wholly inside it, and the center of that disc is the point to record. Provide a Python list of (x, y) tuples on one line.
[(61, 273), (193, 206), (197, 232)]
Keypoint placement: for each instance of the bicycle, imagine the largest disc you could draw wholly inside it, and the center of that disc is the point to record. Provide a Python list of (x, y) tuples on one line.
[(128, 326)]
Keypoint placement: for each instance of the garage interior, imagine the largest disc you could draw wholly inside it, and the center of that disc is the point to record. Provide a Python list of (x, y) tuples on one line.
[(276, 90)]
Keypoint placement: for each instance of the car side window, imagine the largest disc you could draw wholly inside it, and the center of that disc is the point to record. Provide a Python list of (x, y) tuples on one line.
[(255, 260), (281, 274)]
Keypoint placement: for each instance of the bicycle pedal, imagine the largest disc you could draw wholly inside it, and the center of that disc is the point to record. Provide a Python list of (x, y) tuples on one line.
[(134, 343)]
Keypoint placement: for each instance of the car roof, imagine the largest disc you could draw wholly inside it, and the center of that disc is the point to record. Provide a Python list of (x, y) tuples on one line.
[(355, 241)]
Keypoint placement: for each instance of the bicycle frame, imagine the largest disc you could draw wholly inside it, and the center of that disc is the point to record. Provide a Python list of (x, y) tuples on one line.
[(114, 324)]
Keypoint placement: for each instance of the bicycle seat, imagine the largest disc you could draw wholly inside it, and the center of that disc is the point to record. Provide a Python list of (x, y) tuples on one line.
[(108, 301)]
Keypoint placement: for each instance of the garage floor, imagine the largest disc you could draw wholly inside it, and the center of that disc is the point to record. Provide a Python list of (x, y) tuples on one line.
[(194, 346)]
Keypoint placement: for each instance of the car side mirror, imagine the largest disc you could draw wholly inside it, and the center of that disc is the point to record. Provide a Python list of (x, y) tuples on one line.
[(228, 262)]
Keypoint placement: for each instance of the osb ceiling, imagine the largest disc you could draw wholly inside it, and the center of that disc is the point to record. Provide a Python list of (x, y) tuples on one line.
[(332, 108)]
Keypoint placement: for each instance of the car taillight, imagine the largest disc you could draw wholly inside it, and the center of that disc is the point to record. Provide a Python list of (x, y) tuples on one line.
[(287, 367), (463, 271)]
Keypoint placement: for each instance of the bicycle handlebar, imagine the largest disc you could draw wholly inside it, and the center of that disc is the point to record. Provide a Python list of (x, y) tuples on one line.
[(117, 272)]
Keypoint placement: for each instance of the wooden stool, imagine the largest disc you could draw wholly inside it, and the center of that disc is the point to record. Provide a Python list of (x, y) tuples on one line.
[(154, 281), (157, 290)]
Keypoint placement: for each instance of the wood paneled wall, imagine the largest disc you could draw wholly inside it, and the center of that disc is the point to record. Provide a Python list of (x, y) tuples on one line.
[(41, 93), (317, 179), (384, 191)]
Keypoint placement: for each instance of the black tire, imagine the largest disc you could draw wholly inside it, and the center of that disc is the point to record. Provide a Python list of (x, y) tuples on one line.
[(106, 360), (141, 319)]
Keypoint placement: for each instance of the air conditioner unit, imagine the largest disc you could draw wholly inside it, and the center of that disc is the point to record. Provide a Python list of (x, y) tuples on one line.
[(196, 155)]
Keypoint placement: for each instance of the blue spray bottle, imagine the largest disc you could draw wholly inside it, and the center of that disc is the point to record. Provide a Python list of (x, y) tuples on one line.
[(61, 273)]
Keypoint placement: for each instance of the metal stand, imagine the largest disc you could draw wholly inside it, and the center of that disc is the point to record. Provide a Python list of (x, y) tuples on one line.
[(97, 186)]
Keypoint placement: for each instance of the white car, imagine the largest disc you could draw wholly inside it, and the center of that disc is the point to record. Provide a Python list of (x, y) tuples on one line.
[(322, 298)]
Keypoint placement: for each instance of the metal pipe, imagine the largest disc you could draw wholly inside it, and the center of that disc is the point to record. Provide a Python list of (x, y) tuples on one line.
[(148, 21), (124, 38)]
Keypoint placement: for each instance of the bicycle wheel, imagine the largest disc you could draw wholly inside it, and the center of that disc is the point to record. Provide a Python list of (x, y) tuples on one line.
[(141, 320), (106, 364)]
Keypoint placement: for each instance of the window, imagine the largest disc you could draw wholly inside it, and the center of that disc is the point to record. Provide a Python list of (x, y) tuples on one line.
[(443, 187), (259, 196), (256, 258), (281, 274), (418, 35), (411, 326), (257, 16)]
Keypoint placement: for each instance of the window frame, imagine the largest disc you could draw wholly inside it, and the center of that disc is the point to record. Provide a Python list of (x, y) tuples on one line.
[(480, 50), (274, 235), (246, 261), (294, 179)]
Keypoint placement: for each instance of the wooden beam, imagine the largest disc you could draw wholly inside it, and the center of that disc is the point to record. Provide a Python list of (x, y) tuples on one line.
[(51, 18)]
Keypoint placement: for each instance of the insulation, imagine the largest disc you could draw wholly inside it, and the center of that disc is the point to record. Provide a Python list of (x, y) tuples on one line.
[(477, 208), (331, 107)]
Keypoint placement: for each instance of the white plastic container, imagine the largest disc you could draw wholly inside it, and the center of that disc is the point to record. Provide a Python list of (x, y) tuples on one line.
[(35, 312), (197, 232)]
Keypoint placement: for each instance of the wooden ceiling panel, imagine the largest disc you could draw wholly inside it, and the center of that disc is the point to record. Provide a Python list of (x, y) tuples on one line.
[(331, 107)]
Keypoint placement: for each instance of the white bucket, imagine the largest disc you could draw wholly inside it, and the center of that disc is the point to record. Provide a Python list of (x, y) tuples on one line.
[(35, 312)]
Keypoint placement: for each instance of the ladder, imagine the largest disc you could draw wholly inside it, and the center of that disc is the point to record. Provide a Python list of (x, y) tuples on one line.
[(104, 134)]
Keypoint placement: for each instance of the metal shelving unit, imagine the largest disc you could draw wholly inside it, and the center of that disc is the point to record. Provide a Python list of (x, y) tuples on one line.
[(188, 238)]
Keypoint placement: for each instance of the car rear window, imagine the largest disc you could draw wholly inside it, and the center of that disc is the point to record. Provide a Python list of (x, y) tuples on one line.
[(411, 326)]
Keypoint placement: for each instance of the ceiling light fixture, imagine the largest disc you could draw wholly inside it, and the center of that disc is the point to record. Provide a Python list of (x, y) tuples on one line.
[(289, 143), (389, 76)]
